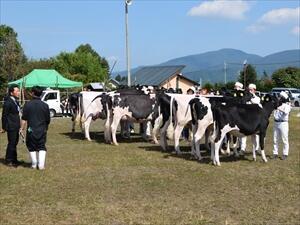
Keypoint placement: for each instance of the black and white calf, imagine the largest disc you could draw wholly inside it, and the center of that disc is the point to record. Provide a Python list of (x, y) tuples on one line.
[(242, 120)]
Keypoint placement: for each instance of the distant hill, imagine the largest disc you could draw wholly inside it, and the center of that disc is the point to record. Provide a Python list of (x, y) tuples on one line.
[(209, 66)]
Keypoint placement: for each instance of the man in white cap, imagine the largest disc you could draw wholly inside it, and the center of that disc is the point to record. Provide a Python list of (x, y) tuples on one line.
[(238, 86), (255, 99), (281, 126)]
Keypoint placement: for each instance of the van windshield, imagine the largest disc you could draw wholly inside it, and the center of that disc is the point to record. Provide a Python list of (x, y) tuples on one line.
[(295, 91)]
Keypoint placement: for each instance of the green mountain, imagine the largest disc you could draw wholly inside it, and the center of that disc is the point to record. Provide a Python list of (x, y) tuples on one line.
[(209, 66)]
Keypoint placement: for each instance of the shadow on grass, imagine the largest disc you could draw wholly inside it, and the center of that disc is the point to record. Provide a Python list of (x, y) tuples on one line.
[(21, 164), (99, 137), (186, 155)]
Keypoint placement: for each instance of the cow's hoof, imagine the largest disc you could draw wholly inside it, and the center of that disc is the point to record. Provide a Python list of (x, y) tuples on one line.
[(254, 159), (89, 139), (223, 152)]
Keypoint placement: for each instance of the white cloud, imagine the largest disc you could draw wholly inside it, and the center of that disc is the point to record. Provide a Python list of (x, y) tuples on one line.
[(276, 17), (221, 9), (296, 30), (280, 16)]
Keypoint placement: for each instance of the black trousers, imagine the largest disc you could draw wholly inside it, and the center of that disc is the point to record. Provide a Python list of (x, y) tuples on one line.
[(36, 142), (11, 150)]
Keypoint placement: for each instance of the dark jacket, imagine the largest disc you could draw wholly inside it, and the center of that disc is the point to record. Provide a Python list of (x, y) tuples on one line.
[(37, 115), (10, 115)]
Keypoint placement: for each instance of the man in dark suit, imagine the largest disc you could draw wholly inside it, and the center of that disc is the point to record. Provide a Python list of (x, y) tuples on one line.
[(11, 124)]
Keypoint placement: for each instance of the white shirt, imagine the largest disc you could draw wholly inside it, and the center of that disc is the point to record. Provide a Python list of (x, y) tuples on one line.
[(282, 112)]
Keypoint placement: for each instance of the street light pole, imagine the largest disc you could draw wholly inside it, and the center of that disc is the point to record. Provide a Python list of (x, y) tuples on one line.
[(127, 3)]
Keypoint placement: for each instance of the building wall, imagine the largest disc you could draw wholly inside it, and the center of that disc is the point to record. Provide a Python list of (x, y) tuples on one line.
[(182, 83)]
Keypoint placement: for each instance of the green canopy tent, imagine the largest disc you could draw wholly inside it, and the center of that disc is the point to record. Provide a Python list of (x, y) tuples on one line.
[(45, 78)]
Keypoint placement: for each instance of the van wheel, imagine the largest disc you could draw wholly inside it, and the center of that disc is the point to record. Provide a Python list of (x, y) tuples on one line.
[(52, 113), (297, 104)]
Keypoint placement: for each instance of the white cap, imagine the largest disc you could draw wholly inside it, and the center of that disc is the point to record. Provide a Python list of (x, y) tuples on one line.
[(284, 95), (239, 85), (252, 86)]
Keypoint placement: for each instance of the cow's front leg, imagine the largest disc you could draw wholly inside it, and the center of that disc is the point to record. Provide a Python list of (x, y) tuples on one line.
[(155, 130), (163, 136), (87, 124), (193, 145), (114, 126), (177, 134), (262, 145), (107, 130), (253, 140)]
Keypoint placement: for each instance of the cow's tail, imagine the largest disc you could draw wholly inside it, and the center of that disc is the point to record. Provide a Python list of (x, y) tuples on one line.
[(170, 129), (78, 116)]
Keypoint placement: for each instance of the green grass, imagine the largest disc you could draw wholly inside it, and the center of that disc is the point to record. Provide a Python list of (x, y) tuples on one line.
[(135, 183)]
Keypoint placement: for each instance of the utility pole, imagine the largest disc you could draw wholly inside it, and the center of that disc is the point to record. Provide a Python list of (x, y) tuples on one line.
[(225, 72), (127, 3)]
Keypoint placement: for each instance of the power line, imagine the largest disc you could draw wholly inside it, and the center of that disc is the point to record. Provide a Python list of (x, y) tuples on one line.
[(259, 64)]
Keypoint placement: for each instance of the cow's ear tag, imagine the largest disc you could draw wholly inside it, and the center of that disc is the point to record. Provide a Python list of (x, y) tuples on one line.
[(262, 98), (234, 94), (242, 94), (267, 99)]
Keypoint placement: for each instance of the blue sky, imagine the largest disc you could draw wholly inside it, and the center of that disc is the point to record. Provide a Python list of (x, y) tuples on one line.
[(158, 30)]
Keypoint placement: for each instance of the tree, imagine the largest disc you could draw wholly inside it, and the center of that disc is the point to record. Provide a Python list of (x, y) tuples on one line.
[(84, 65), (251, 75), (118, 78), (208, 86), (30, 65), (265, 84), (287, 77), (11, 53)]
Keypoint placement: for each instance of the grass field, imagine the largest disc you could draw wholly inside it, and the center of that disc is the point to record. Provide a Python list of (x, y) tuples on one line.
[(135, 183)]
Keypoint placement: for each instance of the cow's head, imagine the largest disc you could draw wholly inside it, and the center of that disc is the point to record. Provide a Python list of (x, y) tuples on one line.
[(271, 100), (242, 96)]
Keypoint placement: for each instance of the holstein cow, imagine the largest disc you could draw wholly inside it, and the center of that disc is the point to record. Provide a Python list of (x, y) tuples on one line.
[(242, 120), (201, 108), (126, 105), (132, 107), (89, 110), (176, 113)]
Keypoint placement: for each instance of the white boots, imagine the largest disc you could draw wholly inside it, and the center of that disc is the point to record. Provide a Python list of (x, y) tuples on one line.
[(41, 162), (42, 159), (33, 160)]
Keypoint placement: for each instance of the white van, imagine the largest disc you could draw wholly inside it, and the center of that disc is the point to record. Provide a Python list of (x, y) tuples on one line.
[(52, 98), (294, 94)]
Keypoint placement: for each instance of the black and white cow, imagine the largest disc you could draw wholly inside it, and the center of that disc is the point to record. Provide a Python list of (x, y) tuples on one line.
[(132, 107), (73, 106), (176, 114), (242, 120), (89, 110), (127, 105)]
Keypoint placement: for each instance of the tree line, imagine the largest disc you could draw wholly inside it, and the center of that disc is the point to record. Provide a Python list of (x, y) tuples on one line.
[(84, 64)]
